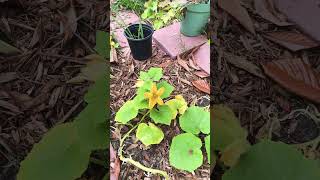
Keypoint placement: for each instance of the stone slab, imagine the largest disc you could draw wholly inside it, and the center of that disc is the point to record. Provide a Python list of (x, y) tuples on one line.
[(121, 39), (172, 42), (202, 57)]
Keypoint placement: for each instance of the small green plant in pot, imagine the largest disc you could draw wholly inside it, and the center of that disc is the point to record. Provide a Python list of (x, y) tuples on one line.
[(139, 37), (195, 18)]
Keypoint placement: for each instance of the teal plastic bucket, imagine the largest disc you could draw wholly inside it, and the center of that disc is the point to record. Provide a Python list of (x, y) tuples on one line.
[(195, 20)]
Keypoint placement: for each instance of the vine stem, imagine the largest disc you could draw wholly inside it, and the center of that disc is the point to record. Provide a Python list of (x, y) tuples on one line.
[(135, 163)]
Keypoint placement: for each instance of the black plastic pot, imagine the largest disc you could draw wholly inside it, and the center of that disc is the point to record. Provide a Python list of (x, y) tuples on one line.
[(141, 49)]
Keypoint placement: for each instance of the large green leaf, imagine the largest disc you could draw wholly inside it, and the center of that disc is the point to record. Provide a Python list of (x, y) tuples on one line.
[(161, 115), (149, 134), (103, 44), (226, 127), (185, 152), (127, 112), (195, 120), (58, 155), (167, 88), (272, 161)]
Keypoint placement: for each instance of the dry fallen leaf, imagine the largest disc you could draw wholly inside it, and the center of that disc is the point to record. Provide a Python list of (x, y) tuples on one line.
[(266, 9), (202, 85), (183, 64), (114, 164), (296, 76), (234, 8), (193, 65), (291, 40), (201, 74), (244, 64)]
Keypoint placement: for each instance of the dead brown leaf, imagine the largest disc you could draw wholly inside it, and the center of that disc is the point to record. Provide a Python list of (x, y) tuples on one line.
[(267, 10), (296, 76), (234, 8), (244, 64), (202, 85), (201, 74), (291, 40), (183, 63)]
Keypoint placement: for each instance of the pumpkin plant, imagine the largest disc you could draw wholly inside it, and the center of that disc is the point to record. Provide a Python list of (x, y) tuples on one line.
[(153, 100)]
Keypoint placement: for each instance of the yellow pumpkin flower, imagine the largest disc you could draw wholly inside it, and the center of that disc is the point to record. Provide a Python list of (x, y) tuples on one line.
[(154, 96)]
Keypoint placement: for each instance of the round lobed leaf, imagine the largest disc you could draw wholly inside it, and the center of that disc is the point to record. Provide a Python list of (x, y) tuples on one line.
[(269, 160), (194, 120), (127, 112), (149, 134), (168, 88), (185, 152), (161, 115), (154, 74)]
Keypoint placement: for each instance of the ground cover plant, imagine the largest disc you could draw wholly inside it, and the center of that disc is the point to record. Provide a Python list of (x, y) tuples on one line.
[(185, 150)]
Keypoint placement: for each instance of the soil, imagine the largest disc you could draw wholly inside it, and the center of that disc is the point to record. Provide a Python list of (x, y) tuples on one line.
[(256, 100), (39, 97)]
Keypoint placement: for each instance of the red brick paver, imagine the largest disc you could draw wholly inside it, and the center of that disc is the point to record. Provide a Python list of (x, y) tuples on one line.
[(171, 41)]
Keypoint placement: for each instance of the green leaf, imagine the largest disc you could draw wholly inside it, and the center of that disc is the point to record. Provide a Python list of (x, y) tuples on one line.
[(185, 152), (149, 134), (273, 160), (177, 104), (127, 112), (154, 74), (6, 48), (194, 120), (161, 115), (168, 89), (103, 44), (58, 155), (207, 144), (226, 127), (95, 68), (146, 87), (231, 154)]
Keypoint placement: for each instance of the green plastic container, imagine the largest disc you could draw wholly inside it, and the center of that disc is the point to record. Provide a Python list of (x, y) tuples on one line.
[(195, 19)]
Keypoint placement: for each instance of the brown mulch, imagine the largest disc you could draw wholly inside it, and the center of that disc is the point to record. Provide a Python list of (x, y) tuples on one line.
[(38, 96), (124, 75), (256, 100)]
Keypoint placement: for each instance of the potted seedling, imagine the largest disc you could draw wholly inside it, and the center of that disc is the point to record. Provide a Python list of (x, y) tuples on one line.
[(195, 18), (139, 37)]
